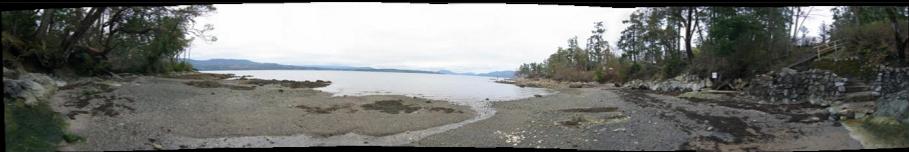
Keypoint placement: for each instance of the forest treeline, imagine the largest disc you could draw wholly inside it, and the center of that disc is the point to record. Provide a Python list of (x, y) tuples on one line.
[(99, 40), (736, 42)]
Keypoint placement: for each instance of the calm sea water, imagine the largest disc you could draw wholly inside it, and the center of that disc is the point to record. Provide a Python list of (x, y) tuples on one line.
[(457, 88)]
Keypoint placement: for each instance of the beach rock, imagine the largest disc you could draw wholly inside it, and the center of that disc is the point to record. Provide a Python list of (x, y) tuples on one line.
[(157, 146), (31, 87), (894, 105), (682, 83), (722, 136), (7, 73)]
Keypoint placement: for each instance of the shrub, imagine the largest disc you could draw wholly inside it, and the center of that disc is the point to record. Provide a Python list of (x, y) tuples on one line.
[(599, 76)]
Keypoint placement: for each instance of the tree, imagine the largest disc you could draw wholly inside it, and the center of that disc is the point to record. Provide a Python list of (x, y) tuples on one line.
[(824, 32), (897, 34), (598, 46), (140, 39)]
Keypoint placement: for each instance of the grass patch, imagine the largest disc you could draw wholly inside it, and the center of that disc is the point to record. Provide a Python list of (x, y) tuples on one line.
[(72, 138), (882, 132), (32, 128)]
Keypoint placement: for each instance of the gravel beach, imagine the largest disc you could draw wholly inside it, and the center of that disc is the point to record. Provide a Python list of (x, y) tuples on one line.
[(148, 112), (153, 112)]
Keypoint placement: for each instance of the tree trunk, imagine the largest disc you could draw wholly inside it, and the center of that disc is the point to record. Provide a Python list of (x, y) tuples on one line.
[(46, 18), (688, 32), (897, 36), (83, 27)]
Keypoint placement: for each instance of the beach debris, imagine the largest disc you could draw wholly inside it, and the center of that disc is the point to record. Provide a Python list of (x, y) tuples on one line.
[(332, 108), (289, 83), (513, 138), (592, 109), (215, 84), (390, 106)]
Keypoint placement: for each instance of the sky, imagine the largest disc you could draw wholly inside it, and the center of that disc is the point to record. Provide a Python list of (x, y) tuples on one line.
[(458, 37)]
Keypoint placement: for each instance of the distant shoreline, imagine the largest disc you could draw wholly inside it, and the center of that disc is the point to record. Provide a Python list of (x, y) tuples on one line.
[(350, 70)]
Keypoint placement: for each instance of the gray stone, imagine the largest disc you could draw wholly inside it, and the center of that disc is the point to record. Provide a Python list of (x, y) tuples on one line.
[(894, 105), (31, 87), (7, 73), (725, 137)]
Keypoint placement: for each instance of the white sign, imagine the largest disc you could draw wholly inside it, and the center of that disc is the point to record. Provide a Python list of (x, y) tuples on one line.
[(713, 75)]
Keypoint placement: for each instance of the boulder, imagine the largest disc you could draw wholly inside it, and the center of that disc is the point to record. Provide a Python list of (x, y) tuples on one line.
[(894, 105), (31, 87), (7, 73)]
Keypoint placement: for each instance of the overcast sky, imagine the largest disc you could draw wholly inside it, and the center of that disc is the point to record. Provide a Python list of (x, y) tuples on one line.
[(457, 37)]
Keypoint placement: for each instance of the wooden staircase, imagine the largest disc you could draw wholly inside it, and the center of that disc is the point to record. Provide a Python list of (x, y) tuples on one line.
[(821, 49)]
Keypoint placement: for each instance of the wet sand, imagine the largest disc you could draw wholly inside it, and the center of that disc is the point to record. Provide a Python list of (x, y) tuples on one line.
[(146, 111)]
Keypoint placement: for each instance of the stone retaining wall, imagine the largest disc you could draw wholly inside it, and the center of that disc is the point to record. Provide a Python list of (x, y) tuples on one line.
[(890, 80), (789, 86)]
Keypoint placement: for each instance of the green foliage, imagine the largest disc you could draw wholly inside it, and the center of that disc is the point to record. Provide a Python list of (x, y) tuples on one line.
[(634, 69), (599, 76), (181, 66), (72, 138), (31, 128), (883, 131), (673, 67), (736, 42), (100, 40), (850, 68)]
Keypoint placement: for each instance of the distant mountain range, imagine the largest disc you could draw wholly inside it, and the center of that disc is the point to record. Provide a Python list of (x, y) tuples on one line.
[(505, 74), (240, 64)]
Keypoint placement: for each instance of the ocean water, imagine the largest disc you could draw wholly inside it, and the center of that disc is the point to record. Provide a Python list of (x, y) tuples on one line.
[(455, 88)]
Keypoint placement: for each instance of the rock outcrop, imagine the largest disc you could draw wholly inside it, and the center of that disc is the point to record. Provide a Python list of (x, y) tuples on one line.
[(30, 87), (895, 105), (681, 83)]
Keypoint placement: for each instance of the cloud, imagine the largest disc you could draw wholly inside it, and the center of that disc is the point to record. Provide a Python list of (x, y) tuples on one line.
[(458, 37)]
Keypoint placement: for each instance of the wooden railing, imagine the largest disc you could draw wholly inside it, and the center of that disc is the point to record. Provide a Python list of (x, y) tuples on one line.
[(821, 49), (827, 47)]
